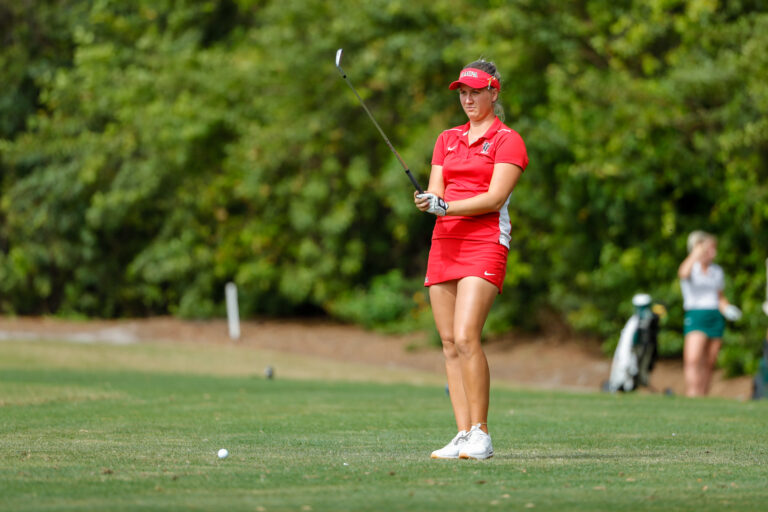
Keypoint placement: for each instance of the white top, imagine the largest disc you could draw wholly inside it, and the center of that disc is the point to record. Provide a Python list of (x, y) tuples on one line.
[(701, 289)]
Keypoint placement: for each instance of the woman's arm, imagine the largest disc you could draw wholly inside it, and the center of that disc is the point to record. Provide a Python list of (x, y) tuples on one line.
[(722, 302), (503, 181), (436, 184), (728, 310), (684, 271)]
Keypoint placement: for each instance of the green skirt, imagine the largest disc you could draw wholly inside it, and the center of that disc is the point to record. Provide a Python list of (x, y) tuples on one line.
[(708, 321)]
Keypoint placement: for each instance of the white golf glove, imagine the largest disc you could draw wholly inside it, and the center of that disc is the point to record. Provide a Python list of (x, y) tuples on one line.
[(436, 204), (732, 313)]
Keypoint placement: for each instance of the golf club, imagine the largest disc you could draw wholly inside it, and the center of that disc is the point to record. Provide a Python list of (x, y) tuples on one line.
[(405, 167), (765, 304)]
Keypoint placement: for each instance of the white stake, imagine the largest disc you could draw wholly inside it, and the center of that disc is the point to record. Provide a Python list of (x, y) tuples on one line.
[(765, 304), (233, 314)]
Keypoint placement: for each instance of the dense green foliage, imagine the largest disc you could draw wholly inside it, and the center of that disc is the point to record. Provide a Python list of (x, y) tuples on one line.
[(82, 436), (151, 151)]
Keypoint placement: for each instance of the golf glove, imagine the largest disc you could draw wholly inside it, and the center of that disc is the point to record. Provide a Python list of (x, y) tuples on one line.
[(436, 204), (732, 313)]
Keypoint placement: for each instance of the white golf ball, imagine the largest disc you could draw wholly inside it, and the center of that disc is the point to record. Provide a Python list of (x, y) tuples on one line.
[(223, 453)]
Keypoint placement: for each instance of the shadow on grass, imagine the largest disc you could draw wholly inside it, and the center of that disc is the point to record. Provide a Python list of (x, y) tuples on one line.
[(569, 456)]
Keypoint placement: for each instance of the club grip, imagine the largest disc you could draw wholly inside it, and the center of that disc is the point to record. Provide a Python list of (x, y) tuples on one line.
[(413, 180)]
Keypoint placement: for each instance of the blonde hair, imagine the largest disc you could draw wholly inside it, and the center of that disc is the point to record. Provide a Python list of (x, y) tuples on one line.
[(697, 237)]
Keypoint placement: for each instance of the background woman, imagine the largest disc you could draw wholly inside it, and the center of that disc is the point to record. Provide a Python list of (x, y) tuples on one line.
[(702, 282), (475, 167)]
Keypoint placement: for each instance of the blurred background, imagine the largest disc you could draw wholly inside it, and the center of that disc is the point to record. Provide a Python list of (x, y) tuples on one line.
[(152, 151)]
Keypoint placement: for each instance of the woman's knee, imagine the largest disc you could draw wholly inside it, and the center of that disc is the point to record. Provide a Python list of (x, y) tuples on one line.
[(692, 366), (449, 349), (467, 345)]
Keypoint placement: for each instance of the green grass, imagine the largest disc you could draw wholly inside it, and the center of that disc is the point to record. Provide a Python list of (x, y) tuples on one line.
[(112, 436)]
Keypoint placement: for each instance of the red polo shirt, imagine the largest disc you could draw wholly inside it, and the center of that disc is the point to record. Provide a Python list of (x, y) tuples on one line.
[(467, 172)]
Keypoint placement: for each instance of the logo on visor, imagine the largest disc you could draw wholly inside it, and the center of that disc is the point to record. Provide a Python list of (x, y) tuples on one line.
[(473, 74)]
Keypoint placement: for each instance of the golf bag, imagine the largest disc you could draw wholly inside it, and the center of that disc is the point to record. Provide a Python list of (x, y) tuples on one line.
[(637, 350), (760, 384)]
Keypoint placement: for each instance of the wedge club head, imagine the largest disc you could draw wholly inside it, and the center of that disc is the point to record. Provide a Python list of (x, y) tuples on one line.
[(338, 63)]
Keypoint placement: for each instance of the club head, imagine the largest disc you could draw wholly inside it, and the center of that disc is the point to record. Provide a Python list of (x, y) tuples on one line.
[(765, 307), (338, 63)]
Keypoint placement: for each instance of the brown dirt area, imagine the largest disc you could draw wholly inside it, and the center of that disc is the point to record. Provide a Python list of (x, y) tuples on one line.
[(553, 361)]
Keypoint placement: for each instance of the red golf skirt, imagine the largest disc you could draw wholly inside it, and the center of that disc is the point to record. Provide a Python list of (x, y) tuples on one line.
[(451, 259)]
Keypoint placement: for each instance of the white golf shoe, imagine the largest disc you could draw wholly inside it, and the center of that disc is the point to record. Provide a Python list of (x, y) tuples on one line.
[(477, 445), (452, 449)]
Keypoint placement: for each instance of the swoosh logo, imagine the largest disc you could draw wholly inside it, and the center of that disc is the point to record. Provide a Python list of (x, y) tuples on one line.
[(451, 148), (486, 273)]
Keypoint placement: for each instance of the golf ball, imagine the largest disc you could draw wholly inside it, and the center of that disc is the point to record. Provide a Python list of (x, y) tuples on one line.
[(223, 453)]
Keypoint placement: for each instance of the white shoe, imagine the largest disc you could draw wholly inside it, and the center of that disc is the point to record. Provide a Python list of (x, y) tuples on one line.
[(477, 445), (451, 450)]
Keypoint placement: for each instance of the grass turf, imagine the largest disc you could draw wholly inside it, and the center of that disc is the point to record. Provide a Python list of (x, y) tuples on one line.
[(108, 436)]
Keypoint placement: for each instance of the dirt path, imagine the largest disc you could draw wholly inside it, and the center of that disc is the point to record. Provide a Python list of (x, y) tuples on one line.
[(549, 362)]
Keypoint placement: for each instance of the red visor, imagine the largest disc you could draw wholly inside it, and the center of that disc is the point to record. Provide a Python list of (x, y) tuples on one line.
[(476, 79)]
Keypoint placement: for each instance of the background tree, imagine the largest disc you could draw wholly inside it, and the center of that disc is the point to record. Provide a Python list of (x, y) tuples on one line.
[(152, 151)]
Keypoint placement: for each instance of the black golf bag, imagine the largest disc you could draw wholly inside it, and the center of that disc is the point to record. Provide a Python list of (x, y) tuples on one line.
[(760, 384), (637, 351)]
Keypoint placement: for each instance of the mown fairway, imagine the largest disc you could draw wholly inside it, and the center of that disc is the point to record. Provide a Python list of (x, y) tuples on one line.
[(82, 429)]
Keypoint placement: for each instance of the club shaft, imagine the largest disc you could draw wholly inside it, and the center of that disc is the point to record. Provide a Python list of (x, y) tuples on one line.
[(383, 135)]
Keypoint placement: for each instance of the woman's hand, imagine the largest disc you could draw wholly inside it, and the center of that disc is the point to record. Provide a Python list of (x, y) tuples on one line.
[(731, 312), (430, 203), (698, 252), (422, 203)]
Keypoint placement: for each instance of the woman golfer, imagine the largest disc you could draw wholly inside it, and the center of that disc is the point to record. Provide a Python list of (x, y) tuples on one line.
[(475, 167), (706, 308)]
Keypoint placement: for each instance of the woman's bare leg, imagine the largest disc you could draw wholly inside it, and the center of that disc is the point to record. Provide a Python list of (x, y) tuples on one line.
[(694, 363), (713, 349), (474, 298), (442, 296)]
